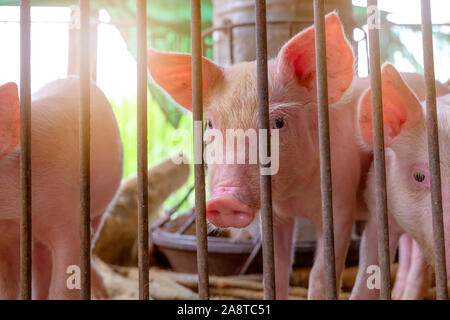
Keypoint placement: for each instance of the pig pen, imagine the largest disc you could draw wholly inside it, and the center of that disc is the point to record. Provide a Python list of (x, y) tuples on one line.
[(173, 250), (201, 286)]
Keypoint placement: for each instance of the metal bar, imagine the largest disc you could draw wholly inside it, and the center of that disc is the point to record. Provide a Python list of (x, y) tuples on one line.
[(94, 43), (290, 29), (229, 25), (263, 121), (180, 203), (143, 254), (85, 145), (224, 27), (379, 158), (324, 148), (25, 151), (251, 257), (204, 44), (366, 43), (355, 45), (433, 153), (188, 223), (199, 170)]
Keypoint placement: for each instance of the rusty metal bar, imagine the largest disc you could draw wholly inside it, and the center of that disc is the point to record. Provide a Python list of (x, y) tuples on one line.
[(366, 43), (204, 45), (85, 145), (188, 223), (324, 148), (143, 254), (305, 21), (263, 122), (228, 25), (378, 150), (199, 170), (231, 46), (25, 150), (433, 153), (251, 257)]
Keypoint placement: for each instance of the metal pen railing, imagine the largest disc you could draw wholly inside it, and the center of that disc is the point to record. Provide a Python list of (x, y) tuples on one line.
[(265, 180)]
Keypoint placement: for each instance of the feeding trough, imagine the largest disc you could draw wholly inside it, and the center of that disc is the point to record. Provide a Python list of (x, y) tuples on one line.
[(174, 239)]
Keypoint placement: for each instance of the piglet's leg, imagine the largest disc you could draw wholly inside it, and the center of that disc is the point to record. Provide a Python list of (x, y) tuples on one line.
[(64, 243), (404, 262), (9, 269), (368, 256), (419, 275), (65, 252), (283, 233), (343, 224), (42, 270)]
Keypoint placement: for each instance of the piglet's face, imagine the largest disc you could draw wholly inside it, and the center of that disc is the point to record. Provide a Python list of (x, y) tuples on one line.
[(9, 118), (230, 103), (408, 174)]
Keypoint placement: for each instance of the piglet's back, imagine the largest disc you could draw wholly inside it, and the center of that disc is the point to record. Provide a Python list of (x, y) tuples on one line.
[(55, 143)]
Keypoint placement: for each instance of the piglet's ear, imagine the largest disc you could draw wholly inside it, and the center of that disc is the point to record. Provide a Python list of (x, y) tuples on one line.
[(297, 59), (401, 108), (9, 118), (172, 72)]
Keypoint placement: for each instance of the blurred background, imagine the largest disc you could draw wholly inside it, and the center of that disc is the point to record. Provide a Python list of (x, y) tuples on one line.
[(54, 52)]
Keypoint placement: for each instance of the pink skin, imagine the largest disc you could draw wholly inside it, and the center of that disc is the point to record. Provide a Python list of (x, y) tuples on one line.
[(414, 274), (230, 103), (409, 204), (225, 212), (54, 161)]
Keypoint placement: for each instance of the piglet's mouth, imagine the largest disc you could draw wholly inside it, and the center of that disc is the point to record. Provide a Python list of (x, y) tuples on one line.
[(227, 212)]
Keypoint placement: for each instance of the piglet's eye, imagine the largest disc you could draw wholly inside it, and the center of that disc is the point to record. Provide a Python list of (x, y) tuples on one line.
[(279, 123), (209, 124), (419, 176)]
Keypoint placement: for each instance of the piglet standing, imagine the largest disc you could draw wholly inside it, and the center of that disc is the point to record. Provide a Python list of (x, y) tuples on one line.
[(55, 187), (407, 182), (230, 103)]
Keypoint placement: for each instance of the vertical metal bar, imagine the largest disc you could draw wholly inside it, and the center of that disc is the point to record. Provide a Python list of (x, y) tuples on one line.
[(142, 151), (265, 180), (85, 145), (204, 45), (230, 44), (355, 45), (94, 43), (25, 150), (366, 43), (379, 158), (199, 171), (433, 153), (324, 148)]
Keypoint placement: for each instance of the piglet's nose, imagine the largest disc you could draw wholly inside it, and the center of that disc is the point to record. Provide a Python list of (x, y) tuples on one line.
[(226, 212)]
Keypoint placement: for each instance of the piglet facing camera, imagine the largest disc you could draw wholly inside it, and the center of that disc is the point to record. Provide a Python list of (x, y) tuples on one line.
[(230, 94)]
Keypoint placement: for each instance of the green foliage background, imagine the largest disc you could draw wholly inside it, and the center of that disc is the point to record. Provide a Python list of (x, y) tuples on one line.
[(169, 30)]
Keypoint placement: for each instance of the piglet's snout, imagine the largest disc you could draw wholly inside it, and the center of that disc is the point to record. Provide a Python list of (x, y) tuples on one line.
[(227, 212)]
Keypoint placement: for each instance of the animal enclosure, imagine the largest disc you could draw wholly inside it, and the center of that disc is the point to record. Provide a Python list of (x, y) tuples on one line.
[(199, 48)]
